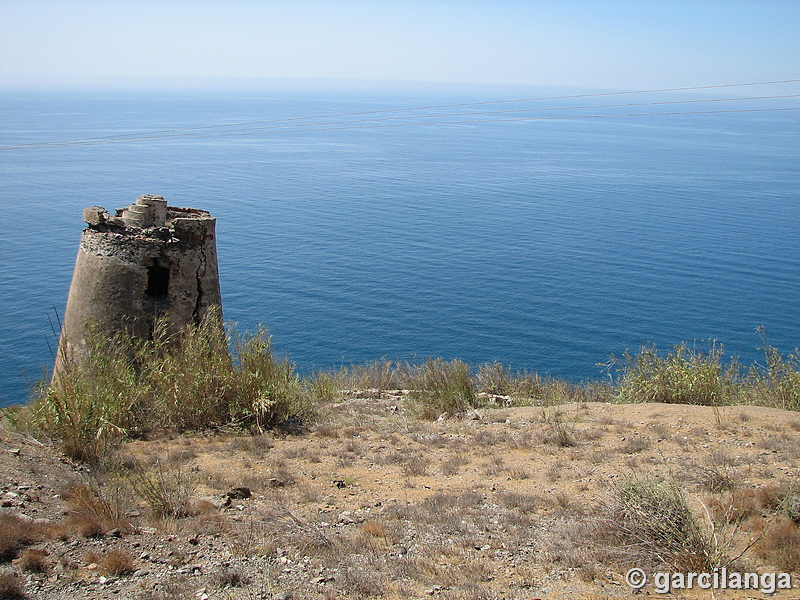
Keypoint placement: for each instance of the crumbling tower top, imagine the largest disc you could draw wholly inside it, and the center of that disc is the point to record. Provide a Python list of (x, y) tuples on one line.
[(147, 211)]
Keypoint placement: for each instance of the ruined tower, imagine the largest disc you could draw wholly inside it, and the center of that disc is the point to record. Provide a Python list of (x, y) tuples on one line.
[(148, 260)]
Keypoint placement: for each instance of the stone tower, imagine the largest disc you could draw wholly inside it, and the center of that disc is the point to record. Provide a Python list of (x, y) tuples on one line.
[(148, 260)]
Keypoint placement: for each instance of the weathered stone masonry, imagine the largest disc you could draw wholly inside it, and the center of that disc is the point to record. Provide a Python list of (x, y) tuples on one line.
[(147, 260)]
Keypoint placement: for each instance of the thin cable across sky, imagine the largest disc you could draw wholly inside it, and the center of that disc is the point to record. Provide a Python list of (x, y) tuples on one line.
[(403, 118)]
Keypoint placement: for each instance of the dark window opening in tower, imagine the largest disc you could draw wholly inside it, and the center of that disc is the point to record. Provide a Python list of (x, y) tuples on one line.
[(157, 282)]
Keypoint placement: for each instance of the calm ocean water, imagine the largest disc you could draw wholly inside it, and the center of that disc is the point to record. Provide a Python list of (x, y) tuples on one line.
[(546, 245)]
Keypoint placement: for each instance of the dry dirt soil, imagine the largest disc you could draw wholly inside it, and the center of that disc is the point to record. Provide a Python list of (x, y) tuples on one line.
[(370, 502)]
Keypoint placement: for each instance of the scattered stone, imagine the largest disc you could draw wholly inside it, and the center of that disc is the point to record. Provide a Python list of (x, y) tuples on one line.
[(95, 215), (275, 482), (434, 590), (170, 564), (190, 569), (239, 493)]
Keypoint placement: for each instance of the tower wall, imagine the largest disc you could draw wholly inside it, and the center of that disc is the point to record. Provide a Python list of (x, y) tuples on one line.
[(146, 261)]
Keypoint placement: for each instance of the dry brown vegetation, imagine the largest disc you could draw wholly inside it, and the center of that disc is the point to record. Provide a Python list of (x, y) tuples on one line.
[(372, 502), (11, 587), (206, 474)]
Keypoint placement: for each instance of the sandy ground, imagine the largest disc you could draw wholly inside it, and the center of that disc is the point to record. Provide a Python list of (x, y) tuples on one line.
[(370, 502)]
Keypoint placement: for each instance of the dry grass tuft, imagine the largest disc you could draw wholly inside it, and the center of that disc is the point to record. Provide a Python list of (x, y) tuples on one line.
[(229, 577), (85, 525), (453, 464), (524, 503), (415, 465), (559, 433), (15, 533), (11, 587), (636, 444), (374, 529), (359, 583), (96, 508), (714, 479), (117, 562), (166, 489), (648, 522), (34, 561), (736, 506), (780, 544), (201, 508)]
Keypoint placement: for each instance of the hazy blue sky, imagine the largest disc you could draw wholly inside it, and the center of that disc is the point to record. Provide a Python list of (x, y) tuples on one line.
[(597, 44)]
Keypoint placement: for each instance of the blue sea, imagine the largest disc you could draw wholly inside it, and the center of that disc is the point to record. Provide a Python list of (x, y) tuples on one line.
[(547, 244)]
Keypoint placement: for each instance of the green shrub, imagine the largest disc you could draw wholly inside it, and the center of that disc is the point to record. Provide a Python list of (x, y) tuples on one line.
[(166, 488), (187, 380), (378, 375), (649, 523), (87, 406), (169, 383), (269, 393), (777, 382), (789, 502), (685, 376), (440, 386), (494, 378), (527, 386), (324, 387)]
